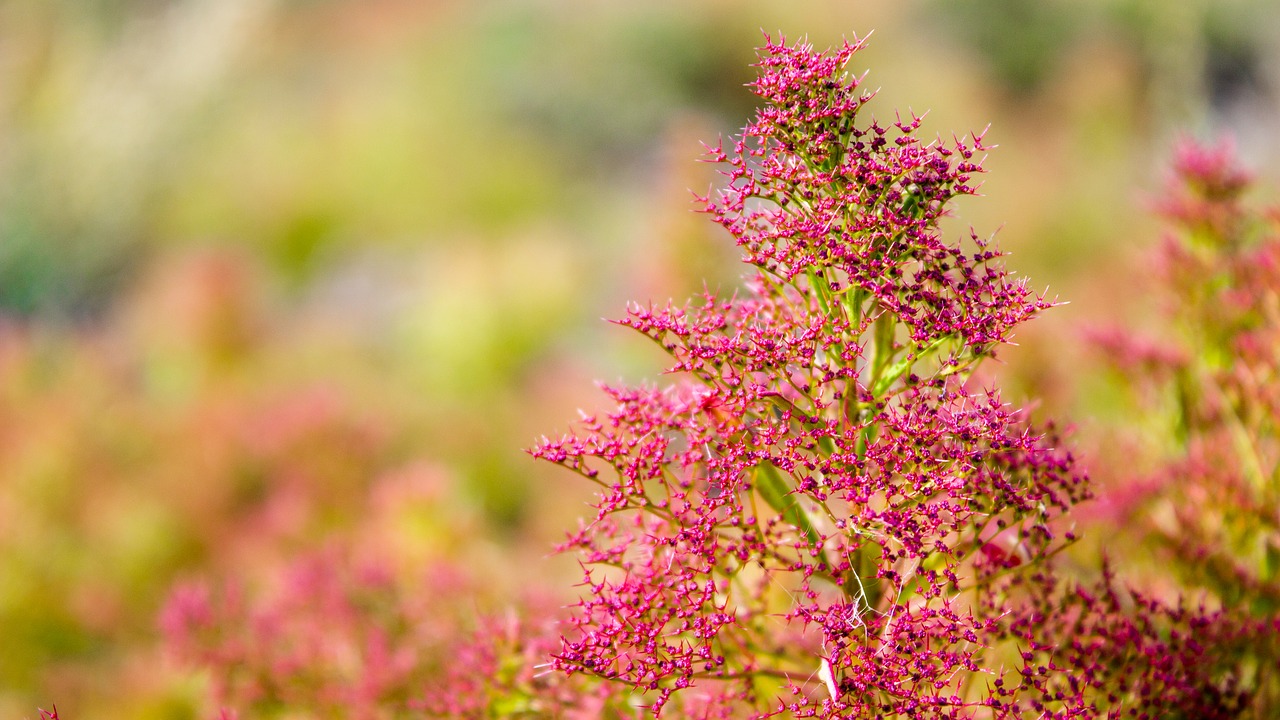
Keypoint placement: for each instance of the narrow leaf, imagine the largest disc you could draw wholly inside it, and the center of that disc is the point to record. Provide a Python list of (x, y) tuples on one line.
[(775, 491)]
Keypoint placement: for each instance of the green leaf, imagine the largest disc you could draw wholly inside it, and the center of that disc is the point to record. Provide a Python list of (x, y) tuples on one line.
[(1271, 561), (775, 491), (820, 291), (865, 586), (884, 329), (900, 368), (853, 304)]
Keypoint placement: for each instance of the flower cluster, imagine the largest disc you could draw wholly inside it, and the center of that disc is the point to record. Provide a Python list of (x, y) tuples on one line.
[(816, 518), (825, 515)]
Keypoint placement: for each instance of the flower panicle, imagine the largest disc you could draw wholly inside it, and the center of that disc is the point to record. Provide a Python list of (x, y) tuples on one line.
[(824, 516), (821, 487), (811, 190)]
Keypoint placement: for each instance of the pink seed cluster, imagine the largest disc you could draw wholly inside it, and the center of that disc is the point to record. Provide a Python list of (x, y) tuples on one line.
[(815, 518)]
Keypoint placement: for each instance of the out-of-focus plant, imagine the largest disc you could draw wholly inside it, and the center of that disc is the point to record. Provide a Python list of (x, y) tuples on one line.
[(1208, 391), (162, 446), (94, 124), (341, 637), (824, 517)]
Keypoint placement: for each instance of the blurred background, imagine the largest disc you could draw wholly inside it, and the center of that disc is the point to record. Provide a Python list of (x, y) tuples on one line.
[(275, 272)]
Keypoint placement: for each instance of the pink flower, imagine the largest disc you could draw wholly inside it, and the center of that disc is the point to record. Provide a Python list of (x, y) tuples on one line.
[(806, 508)]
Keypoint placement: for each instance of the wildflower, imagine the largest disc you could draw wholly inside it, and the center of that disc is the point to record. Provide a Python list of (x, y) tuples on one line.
[(822, 487)]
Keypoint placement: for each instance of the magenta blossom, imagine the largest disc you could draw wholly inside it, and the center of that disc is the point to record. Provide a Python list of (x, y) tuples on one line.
[(823, 516), (815, 518)]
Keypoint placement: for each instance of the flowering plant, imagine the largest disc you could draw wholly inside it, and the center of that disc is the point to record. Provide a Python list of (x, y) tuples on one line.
[(825, 516), (1209, 395)]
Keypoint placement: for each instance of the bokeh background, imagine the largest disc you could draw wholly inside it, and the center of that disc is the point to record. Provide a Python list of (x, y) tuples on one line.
[(276, 274)]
